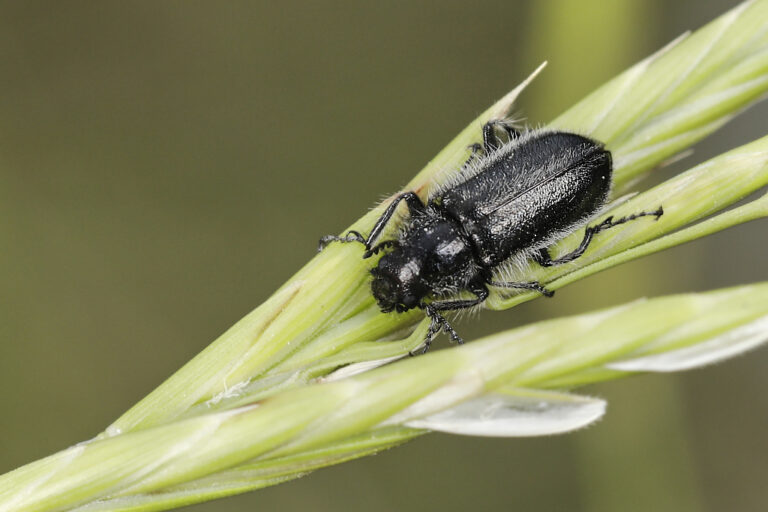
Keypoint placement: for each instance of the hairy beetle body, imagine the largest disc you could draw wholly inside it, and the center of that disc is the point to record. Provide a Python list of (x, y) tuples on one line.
[(509, 202)]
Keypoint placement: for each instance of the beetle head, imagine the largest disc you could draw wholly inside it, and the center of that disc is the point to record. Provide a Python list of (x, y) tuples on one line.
[(397, 283)]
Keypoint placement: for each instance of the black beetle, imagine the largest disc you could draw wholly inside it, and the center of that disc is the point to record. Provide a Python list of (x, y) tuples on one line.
[(508, 203)]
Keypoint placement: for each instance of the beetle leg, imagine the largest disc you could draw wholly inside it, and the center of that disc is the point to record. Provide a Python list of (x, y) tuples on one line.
[(414, 205), (544, 259), (439, 323), (491, 141), (386, 244), (525, 285), (481, 293), (512, 132), (475, 148)]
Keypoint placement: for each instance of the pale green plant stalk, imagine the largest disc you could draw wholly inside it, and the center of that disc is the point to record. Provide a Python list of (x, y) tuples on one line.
[(274, 397)]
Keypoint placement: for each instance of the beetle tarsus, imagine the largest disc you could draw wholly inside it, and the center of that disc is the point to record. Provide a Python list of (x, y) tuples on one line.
[(386, 244)]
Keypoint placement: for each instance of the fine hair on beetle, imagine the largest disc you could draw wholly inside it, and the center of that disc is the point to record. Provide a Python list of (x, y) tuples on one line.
[(514, 197)]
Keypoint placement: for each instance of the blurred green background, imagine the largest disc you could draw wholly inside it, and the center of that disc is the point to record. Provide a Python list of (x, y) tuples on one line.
[(165, 166)]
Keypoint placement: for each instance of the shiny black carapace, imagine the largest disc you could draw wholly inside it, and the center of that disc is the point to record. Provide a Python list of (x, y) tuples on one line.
[(508, 203)]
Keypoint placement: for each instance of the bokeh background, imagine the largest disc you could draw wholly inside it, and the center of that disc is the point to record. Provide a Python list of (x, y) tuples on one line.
[(164, 166)]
